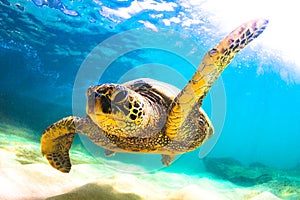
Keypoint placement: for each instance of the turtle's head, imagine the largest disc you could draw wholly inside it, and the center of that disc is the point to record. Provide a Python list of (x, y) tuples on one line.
[(116, 109)]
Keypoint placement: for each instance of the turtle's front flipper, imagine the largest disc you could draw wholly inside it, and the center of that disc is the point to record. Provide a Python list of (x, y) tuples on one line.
[(56, 142), (212, 65)]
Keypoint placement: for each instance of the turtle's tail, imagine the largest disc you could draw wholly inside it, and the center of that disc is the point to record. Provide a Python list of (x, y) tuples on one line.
[(56, 142)]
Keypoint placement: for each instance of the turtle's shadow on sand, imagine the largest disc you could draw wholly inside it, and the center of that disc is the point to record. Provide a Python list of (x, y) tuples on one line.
[(95, 191)]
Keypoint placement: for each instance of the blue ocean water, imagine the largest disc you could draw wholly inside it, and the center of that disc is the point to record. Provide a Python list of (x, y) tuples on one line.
[(45, 46)]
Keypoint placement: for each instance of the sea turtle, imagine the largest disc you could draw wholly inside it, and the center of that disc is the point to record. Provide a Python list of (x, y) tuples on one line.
[(146, 115)]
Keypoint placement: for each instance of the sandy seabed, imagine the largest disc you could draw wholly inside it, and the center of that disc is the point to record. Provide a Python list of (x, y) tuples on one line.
[(25, 174)]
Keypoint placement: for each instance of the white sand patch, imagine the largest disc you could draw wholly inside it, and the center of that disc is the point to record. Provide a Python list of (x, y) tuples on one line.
[(265, 196), (25, 174), (36, 181), (8, 159)]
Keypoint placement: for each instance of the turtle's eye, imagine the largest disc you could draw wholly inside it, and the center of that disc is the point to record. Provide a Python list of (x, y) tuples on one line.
[(212, 52), (121, 96)]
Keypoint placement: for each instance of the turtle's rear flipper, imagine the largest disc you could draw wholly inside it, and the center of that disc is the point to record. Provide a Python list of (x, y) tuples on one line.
[(109, 153), (56, 142), (167, 159)]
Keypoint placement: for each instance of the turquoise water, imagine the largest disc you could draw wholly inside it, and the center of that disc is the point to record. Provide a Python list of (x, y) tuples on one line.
[(51, 51)]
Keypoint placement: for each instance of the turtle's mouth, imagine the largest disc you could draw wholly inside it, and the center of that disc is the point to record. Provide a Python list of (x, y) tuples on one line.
[(102, 112), (98, 104)]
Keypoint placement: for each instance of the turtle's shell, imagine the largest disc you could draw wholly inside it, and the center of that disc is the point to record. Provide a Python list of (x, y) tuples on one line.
[(168, 90)]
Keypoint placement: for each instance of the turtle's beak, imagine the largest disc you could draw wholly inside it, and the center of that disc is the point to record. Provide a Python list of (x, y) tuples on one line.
[(91, 102), (98, 103)]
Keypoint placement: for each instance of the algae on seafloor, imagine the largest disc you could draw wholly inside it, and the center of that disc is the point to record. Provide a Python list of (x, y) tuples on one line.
[(283, 183)]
